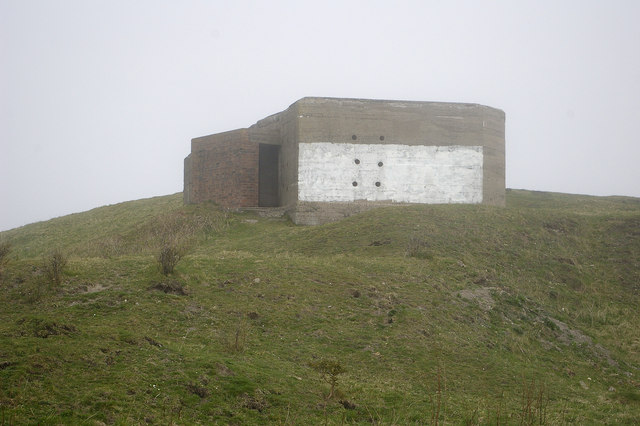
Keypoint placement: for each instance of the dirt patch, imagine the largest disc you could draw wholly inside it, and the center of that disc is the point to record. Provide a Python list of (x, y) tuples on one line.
[(560, 226), (95, 288), (5, 364), (43, 328), (347, 404), (87, 288), (197, 389), (152, 342), (223, 371), (257, 401), (481, 295), (170, 287), (568, 335)]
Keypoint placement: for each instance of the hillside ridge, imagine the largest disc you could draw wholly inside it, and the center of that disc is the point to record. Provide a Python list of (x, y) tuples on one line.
[(427, 314)]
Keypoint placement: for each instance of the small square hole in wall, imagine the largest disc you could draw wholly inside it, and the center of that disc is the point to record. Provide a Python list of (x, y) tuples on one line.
[(354, 183), (381, 138), (380, 164), (354, 137)]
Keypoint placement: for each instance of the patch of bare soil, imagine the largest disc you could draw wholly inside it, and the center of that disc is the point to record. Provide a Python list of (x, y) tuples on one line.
[(170, 287), (568, 335), (482, 295)]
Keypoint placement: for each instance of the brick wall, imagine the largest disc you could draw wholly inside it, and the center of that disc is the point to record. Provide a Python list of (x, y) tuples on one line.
[(223, 168)]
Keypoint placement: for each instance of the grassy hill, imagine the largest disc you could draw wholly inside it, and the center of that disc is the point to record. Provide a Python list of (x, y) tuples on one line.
[(422, 315)]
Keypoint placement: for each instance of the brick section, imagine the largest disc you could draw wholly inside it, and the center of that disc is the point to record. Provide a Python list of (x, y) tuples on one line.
[(223, 168)]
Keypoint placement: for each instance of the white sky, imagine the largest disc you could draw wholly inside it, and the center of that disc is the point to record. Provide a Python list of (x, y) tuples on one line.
[(99, 98)]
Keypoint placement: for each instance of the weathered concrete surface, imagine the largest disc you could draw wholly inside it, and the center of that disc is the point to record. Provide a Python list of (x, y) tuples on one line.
[(398, 173), (454, 152)]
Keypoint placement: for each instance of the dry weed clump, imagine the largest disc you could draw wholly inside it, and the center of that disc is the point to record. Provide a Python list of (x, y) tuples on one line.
[(181, 228), (168, 258), (418, 248), (54, 266), (5, 249)]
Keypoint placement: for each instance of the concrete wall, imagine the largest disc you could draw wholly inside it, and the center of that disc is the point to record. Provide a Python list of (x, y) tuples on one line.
[(429, 124), (362, 121), (493, 141)]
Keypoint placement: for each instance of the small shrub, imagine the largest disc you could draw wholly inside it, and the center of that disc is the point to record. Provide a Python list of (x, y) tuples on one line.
[(55, 265), (329, 372), (418, 248), (168, 259), (235, 342), (5, 249)]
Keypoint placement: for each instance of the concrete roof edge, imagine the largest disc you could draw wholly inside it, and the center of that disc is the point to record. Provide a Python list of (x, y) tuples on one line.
[(219, 133), (275, 116), (329, 98)]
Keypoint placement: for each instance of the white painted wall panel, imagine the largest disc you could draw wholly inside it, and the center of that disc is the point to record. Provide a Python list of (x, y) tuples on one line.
[(409, 174)]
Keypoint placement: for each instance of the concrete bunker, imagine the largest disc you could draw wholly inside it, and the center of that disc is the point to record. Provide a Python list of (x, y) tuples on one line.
[(326, 158)]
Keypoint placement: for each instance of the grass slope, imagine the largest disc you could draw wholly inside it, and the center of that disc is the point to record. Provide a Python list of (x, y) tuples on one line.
[(438, 315)]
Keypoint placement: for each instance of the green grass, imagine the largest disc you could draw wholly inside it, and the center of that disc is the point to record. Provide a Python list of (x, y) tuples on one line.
[(457, 314)]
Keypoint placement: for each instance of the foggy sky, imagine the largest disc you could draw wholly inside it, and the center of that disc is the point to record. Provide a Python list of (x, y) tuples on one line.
[(99, 99)]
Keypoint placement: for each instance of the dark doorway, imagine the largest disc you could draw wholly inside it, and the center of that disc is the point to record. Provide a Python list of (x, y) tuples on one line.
[(268, 176)]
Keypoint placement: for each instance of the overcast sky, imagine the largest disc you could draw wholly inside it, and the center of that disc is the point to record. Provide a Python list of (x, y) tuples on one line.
[(99, 98)]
